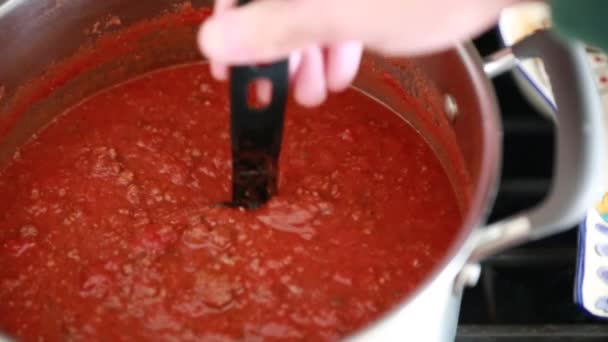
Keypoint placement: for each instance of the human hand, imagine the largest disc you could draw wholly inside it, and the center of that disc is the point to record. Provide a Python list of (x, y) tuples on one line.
[(324, 39)]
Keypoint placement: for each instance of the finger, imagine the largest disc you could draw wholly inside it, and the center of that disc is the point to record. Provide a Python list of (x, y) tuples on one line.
[(342, 64), (264, 31), (219, 70), (310, 88)]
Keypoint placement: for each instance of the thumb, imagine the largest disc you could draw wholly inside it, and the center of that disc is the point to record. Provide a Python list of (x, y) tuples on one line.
[(264, 31)]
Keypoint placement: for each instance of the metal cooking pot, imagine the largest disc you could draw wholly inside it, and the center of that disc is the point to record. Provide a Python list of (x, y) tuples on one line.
[(453, 86)]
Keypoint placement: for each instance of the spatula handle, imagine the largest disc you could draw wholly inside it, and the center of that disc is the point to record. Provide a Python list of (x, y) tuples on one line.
[(256, 134)]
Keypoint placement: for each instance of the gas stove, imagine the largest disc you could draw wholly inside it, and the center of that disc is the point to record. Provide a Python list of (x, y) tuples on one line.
[(526, 293)]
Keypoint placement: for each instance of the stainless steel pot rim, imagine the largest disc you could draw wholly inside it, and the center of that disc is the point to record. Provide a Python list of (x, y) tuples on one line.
[(486, 189)]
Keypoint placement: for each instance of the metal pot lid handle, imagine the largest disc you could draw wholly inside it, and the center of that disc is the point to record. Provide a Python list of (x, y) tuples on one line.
[(579, 146)]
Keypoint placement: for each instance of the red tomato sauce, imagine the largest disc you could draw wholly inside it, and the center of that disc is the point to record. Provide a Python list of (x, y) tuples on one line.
[(109, 229)]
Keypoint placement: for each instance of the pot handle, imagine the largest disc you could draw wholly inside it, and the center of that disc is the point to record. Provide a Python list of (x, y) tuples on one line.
[(577, 176)]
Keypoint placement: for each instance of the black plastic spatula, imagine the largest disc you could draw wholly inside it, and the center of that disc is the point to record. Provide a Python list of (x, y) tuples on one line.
[(256, 134)]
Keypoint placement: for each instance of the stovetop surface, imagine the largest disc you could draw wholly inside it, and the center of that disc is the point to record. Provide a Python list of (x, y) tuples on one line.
[(525, 294)]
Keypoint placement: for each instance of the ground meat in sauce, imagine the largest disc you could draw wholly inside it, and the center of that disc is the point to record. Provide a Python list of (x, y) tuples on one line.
[(108, 229)]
